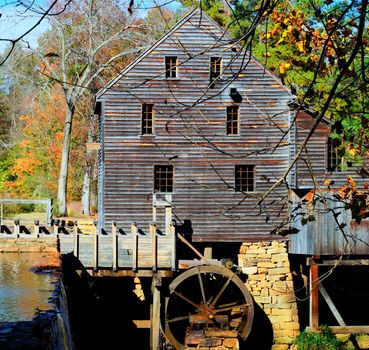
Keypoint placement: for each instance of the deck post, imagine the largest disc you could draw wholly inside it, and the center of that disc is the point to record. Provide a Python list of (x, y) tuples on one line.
[(314, 296), (36, 228), (114, 245), (16, 227), (56, 227), (154, 244), (168, 218), (155, 314), (76, 240), (95, 249), (134, 233), (172, 232)]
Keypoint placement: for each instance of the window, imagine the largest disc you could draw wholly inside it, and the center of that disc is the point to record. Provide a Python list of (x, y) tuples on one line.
[(171, 66), (163, 178), (215, 69), (147, 122), (232, 120), (244, 178), (333, 163)]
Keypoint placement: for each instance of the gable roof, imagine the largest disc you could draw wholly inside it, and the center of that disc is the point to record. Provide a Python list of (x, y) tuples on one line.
[(185, 19)]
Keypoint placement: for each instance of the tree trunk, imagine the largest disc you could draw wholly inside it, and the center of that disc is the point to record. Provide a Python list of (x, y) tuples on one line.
[(63, 175)]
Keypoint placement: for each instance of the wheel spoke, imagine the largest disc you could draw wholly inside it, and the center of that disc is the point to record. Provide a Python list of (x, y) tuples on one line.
[(186, 299), (222, 309), (179, 318), (221, 291), (202, 288)]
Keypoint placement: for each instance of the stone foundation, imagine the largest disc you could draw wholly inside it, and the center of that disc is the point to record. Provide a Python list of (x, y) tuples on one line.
[(270, 283)]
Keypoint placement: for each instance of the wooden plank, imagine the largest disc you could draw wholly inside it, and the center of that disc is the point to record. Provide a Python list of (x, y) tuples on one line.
[(154, 246), (346, 329), (126, 273), (331, 305), (173, 238), (134, 233), (95, 249), (314, 296), (155, 314), (114, 246)]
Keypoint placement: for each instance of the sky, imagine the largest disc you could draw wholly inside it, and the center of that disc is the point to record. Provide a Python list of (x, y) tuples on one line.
[(16, 20)]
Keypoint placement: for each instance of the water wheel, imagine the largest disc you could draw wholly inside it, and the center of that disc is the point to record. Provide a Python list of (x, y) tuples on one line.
[(209, 296)]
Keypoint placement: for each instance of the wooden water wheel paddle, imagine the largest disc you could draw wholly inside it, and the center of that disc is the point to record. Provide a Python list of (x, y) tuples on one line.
[(208, 296)]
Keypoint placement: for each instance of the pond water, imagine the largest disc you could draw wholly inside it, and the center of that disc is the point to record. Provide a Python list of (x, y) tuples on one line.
[(22, 291)]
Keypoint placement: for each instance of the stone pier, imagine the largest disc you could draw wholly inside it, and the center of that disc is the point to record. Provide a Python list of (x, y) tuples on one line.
[(270, 283)]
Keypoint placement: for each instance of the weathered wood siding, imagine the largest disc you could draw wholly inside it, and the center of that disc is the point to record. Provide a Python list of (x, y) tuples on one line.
[(313, 161), (190, 134), (323, 236)]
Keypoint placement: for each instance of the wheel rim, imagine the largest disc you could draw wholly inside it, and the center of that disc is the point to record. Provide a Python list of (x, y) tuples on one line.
[(207, 293)]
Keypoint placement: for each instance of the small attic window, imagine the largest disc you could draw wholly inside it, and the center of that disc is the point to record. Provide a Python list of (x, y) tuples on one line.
[(171, 63), (215, 68)]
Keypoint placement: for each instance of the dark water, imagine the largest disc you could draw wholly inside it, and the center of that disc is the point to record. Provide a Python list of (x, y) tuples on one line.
[(22, 292)]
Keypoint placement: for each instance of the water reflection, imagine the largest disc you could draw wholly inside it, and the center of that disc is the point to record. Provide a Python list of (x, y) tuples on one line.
[(22, 292)]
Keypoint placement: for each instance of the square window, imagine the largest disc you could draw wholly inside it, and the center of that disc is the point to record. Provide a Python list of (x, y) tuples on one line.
[(171, 63), (147, 121), (232, 120), (244, 178), (163, 178)]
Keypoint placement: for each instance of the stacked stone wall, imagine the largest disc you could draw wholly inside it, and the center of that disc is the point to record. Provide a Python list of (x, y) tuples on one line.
[(271, 285)]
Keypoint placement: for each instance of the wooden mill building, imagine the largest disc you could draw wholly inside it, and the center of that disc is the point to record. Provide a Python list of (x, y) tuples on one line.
[(199, 122), (197, 133)]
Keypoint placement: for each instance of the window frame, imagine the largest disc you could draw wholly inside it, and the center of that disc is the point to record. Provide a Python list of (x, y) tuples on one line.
[(241, 183), (230, 121), (170, 68), (215, 74), (158, 181), (333, 162), (144, 118)]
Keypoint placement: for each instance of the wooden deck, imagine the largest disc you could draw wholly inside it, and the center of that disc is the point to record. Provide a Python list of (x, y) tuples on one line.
[(136, 252)]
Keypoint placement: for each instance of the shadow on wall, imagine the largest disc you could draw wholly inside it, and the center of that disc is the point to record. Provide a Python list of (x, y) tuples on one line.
[(261, 335)]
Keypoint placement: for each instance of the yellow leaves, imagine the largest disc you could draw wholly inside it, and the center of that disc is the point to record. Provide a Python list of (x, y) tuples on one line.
[(351, 152), (279, 41), (283, 67), (300, 46)]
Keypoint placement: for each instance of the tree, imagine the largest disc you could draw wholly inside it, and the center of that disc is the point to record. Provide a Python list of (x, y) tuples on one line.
[(87, 42)]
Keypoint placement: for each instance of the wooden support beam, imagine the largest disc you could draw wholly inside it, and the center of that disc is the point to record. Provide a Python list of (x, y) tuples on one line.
[(331, 306), (114, 245), (134, 232), (154, 246), (314, 296), (76, 240), (155, 314), (168, 218), (95, 248), (346, 329), (172, 233)]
